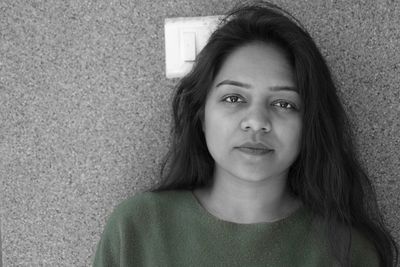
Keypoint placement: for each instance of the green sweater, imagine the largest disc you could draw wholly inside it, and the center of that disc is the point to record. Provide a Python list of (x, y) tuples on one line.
[(171, 228)]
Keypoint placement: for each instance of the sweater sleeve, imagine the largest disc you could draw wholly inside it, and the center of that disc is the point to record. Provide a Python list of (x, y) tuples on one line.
[(108, 249), (120, 242)]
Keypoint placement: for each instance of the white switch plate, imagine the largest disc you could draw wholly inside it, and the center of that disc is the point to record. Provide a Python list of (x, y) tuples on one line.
[(178, 47)]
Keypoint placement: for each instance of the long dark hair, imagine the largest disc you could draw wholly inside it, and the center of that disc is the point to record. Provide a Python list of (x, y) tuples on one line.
[(326, 176)]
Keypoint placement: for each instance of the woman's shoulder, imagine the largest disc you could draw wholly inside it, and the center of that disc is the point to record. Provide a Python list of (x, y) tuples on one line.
[(148, 198), (145, 204)]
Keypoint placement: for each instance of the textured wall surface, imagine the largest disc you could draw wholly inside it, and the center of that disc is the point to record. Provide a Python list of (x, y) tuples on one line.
[(84, 109)]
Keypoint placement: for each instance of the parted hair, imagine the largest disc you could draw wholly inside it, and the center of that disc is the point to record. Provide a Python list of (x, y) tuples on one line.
[(327, 176)]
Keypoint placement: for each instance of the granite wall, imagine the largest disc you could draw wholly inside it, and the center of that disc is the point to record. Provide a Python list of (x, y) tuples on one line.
[(85, 109)]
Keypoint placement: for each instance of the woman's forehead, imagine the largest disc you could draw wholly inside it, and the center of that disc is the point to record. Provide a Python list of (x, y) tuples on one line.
[(256, 64)]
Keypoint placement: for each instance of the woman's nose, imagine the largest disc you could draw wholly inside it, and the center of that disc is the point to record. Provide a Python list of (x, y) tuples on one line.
[(256, 119)]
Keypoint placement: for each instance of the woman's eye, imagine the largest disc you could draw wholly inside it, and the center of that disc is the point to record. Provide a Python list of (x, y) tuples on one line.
[(285, 105), (233, 99)]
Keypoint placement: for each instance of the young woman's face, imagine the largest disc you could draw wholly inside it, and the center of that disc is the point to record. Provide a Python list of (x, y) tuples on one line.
[(253, 118)]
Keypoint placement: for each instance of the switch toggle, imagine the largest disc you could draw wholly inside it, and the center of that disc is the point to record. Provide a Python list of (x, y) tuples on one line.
[(188, 46)]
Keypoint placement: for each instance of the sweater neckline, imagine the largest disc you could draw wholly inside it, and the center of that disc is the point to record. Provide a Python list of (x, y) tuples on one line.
[(299, 212)]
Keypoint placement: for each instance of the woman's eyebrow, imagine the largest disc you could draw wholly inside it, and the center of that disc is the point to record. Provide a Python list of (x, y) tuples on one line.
[(284, 88), (248, 86), (234, 83)]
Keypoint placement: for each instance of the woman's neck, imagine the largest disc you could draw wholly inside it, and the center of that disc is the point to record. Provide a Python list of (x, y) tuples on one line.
[(247, 202)]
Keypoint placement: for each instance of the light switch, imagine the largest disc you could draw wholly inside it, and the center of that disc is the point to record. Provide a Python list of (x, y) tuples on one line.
[(184, 39), (188, 46)]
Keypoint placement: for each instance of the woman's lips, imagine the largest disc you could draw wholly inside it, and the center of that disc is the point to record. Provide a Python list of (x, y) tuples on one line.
[(254, 150)]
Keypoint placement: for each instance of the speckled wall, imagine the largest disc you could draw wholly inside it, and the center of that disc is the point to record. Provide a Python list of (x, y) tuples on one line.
[(84, 109)]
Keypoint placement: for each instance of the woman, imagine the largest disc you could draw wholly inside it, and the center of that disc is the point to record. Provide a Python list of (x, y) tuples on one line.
[(261, 171)]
